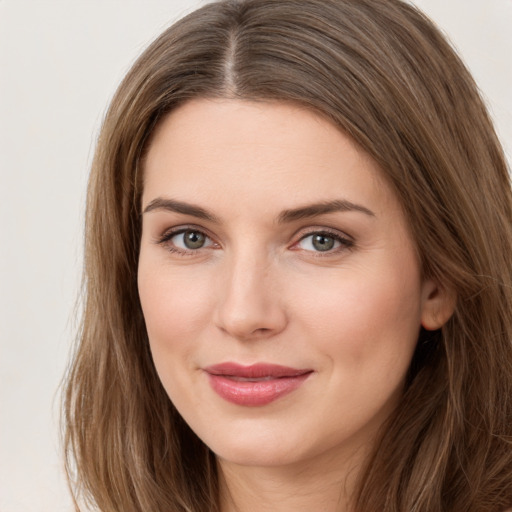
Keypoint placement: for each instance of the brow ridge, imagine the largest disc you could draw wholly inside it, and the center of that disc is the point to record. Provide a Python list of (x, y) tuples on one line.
[(290, 215)]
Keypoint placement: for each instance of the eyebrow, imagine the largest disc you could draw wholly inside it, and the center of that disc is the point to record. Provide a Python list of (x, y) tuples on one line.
[(303, 212), (313, 210), (172, 205)]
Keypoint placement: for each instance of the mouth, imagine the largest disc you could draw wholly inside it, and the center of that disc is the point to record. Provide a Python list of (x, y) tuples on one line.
[(254, 385)]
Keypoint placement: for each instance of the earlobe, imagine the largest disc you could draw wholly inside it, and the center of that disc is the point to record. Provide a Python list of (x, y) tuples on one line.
[(438, 305)]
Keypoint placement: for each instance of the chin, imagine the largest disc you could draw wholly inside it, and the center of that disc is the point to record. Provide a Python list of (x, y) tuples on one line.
[(271, 456), (256, 447)]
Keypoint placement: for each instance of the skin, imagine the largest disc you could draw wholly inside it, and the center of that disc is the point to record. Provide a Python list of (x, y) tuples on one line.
[(259, 290)]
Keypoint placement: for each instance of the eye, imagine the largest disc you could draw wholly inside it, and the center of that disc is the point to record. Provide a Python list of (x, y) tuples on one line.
[(186, 240), (323, 242), (190, 239)]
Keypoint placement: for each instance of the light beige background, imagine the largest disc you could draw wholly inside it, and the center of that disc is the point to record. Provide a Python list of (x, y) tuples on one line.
[(60, 62)]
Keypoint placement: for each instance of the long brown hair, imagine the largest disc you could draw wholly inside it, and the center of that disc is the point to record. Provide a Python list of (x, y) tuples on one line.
[(385, 75)]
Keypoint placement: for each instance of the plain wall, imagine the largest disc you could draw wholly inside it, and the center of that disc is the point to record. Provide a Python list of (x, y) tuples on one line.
[(60, 62)]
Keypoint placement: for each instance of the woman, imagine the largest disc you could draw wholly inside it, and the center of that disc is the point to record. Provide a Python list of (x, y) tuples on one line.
[(298, 288)]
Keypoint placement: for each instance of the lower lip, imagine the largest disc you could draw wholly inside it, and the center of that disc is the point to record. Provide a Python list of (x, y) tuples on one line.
[(254, 393)]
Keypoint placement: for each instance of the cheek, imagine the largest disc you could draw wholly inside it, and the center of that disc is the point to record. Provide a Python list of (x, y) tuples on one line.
[(176, 311), (363, 317), (176, 308)]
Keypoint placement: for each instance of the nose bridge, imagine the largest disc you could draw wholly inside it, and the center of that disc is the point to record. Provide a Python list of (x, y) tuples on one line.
[(248, 304)]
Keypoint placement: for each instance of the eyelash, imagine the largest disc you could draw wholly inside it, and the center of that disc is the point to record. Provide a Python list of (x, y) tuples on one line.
[(343, 241)]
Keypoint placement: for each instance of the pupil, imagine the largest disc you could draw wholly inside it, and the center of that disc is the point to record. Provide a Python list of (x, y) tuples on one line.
[(193, 239), (323, 243)]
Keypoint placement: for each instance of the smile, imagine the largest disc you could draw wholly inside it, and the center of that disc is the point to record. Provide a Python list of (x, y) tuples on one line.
[(254, 385)]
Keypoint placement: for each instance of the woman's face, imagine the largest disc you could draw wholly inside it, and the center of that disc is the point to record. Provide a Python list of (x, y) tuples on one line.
[(279, 283)]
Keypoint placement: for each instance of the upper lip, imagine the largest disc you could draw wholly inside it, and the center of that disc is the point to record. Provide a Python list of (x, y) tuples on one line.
[(255, 371)]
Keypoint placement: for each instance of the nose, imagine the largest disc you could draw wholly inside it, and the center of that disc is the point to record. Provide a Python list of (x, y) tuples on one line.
[(250, 305)]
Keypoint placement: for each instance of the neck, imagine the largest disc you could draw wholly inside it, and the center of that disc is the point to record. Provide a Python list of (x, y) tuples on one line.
[(324, 483)]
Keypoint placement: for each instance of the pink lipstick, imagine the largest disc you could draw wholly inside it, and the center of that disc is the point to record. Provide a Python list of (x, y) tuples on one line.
[(255, 385)]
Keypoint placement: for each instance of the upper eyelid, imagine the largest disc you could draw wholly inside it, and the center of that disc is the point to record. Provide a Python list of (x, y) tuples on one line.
[(305, 232), (176, 230)]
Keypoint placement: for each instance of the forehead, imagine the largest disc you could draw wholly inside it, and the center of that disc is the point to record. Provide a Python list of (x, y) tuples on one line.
[(272, 152)]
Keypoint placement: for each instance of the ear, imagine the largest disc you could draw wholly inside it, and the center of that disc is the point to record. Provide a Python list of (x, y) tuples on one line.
[(438, 305)]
